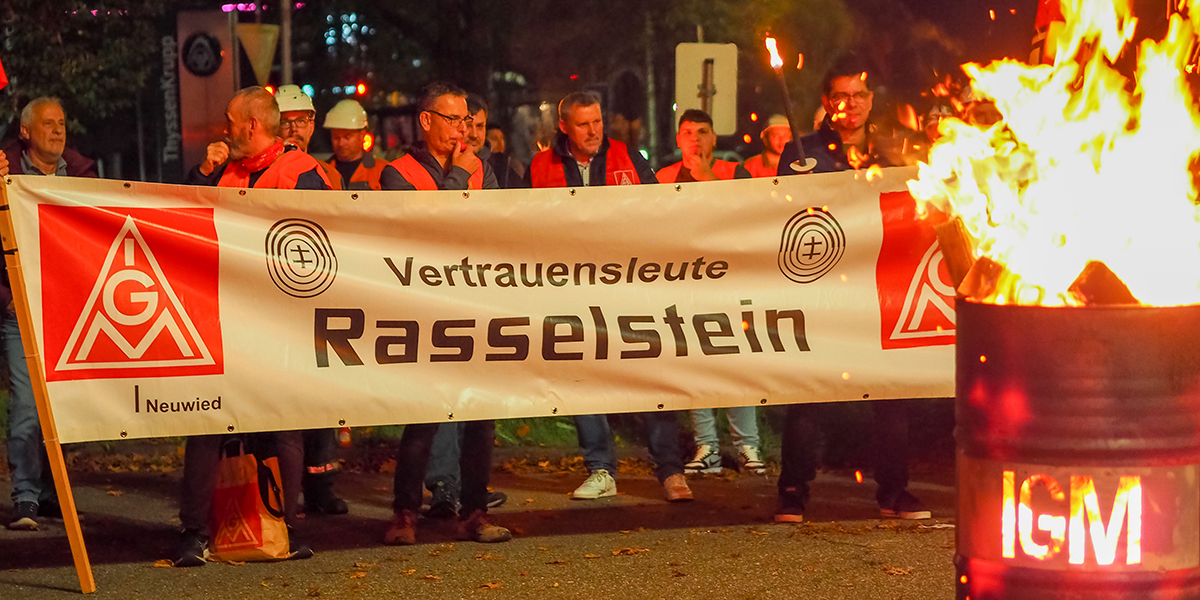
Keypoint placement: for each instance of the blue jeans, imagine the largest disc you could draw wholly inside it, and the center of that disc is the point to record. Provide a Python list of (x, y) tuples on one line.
[(743, 426), (662, 437), (444, 457), (27, 460)]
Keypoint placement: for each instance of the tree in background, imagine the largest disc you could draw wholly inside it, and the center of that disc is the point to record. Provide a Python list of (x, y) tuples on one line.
[(96, 58)]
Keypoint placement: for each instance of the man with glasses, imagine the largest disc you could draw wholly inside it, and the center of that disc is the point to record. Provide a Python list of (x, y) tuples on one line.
[(443, 161), (297, 121), (347, 125), (845, 139)]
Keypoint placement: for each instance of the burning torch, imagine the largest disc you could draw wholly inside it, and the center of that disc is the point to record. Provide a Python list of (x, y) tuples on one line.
[(802, 164)]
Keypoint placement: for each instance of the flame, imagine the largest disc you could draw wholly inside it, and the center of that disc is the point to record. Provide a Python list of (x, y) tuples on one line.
[(1087, 165), (776, 61)]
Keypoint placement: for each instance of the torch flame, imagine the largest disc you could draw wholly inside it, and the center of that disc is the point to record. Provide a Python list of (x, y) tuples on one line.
[(1086, 166), (776, 61)]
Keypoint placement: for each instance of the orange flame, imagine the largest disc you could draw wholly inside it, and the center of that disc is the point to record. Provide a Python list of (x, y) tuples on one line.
[(1085, 166), (776, 61)]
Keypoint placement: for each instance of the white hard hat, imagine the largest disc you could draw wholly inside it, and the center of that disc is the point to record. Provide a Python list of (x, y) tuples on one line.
[(291, 97), (347, 114)]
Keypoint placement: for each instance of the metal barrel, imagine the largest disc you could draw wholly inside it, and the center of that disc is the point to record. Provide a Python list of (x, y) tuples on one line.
[(1078, 433)]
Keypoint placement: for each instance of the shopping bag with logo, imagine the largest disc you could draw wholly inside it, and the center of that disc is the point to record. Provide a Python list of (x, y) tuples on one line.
[(247, 511)]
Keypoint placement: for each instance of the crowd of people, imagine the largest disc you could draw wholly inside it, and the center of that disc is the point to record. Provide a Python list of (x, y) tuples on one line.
[(266, 144)]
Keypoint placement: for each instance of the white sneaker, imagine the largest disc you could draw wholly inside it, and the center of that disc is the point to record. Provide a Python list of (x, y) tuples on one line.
[(752, 460), (598, 485), (707, 460)]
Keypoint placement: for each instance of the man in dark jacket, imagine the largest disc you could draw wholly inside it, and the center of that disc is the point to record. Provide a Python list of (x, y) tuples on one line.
[(42, 146), (41, 150), (844, 141)]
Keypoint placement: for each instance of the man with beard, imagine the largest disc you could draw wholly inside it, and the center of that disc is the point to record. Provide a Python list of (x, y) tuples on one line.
[(297, 122), (347, 125), (252, 156)]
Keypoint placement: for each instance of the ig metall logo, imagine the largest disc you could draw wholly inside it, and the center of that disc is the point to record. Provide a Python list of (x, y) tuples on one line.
[(300, 258), (813, 243)]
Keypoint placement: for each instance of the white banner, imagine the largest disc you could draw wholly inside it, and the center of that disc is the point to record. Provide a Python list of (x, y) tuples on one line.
[(171, 310)]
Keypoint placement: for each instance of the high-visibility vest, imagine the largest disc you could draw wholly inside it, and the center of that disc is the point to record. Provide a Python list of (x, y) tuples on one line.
[(281, 175), (416, 173), (546, 170), (757, 168), (364, 177), (723, 169)]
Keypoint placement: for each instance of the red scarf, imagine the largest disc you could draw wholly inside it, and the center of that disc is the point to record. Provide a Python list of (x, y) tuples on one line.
[(260, 161)]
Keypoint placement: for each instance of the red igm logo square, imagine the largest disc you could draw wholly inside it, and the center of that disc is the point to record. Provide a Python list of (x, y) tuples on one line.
[(916, 297), (129, 292)]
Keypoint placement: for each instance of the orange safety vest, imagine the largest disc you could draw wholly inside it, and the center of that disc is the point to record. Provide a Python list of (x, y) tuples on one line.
[(366, 176), (723, 169), (281, 175), (416, 173), (335, 178), (757, 168), (546, 170)]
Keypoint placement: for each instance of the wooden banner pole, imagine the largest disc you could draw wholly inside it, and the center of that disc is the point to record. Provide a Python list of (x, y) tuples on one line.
[(37, 378)]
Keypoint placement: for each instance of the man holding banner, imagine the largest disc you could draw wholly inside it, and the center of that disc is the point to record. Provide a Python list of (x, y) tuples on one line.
[(844, 142), (443, 163), (583, 155), (257, 159), (41, 150)]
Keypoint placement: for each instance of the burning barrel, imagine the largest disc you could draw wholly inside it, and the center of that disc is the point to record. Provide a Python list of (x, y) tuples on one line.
[(1078, 434)]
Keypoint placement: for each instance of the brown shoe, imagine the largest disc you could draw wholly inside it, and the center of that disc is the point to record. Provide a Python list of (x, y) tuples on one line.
[(477, 528), (677, 488), (402, 531)]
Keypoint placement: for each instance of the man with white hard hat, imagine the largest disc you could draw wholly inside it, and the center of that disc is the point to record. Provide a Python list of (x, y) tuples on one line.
[(298, 121), (347, 125)]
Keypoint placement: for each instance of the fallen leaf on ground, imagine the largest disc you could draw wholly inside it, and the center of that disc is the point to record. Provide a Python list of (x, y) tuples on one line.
[(523, 430), (363, 565), (115, 492), (433, 577), (629, 551), (558, 562), (897, 571), (489, 586), (410, 571), (166, 562), (591, 556), (358, 574)]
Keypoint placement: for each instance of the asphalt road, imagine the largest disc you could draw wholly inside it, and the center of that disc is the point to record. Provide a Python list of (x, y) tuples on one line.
[(722, 545)]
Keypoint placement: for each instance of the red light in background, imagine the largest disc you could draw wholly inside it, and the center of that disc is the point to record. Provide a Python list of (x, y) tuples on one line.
[(574, 76), (270, 89), (746, 138), (361, 90), (754, 117)]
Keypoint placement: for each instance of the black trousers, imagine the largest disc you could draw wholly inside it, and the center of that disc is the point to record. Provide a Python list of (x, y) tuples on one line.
[(475, 465), (890, 449)]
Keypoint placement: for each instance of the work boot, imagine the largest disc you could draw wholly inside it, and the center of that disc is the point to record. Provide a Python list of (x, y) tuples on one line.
[(319, 498), (297, 549), (677, 489), (478, 528), (496, 499), (402, 531)]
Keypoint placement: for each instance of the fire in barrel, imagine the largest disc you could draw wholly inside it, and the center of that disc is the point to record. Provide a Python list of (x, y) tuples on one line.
[(1075, 244)]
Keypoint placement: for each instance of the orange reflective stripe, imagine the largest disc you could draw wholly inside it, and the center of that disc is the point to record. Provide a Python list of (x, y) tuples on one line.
[(414, 173)]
